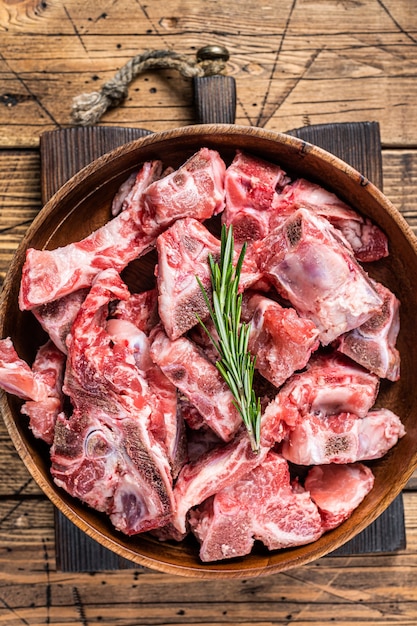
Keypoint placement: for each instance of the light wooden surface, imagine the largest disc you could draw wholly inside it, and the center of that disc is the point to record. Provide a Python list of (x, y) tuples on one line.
[(296, 62)]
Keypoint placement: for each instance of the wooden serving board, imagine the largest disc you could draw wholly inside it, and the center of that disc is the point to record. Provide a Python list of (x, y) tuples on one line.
[(63, 153)]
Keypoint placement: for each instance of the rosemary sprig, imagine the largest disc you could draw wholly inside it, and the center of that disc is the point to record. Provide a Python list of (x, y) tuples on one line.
[(236, 364)]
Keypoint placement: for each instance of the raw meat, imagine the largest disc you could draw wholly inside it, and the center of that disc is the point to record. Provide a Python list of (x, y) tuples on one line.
[(251, 184), (183, 251), (223, 465), (51, 274), (312, 267), (16, 377), (57, 317), (165, 421), (342, 438), (141, 309), (281, 340), (107, 388), (263, 506), (195, 189), (368, 242), (373, 343), (199, 380), (331, 384), (338, 490), (129, 194), (48, 365)]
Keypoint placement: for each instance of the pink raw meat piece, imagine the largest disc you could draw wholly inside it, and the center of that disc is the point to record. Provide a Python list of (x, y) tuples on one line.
[(311, 266), (223, 465), (49, 365), (183, 251), (110, 470), (141, 309), (16, 377), (368, 242), (332, 384), (51, 274), (130, 191), (57, 317), (165, 421), (199, 380), (281, 340), (342, 438), (250, 184), (372, 344), (106, 387), (337, 490), (260, 506), (195, 189)]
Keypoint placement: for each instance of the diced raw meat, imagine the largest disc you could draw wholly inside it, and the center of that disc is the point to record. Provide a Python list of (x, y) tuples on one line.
[(141, 309), (48, 365), (262, 505), (107, 389), (110, 469), (165, 421), (51, 274), (312, 267), (195, 189), (16, 377), (57, 317), (211, 472), (199, 380), (331, 384), (373, 343), (250, 184), (338, 490), (223, 465), (368, 242), (129, 194), (281, 340), (183, 251), (342, 438)]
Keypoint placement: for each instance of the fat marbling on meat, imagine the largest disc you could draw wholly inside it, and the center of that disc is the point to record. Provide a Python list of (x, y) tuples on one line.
[(183, 251), (109, 434), (262, 506)]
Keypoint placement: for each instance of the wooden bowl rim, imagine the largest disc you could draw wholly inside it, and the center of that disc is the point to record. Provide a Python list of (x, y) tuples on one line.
[(300, 555)]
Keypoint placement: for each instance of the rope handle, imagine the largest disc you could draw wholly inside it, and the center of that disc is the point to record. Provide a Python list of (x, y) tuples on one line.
[(88, 108)]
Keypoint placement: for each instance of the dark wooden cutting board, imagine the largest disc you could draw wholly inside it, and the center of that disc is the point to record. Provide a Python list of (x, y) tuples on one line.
[(63, 153)]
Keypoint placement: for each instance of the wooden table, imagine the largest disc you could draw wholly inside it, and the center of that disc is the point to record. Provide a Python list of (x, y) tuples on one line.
[(296, 62)]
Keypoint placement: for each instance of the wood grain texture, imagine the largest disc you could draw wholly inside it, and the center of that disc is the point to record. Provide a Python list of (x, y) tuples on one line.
[(377, 590), (294, 66)]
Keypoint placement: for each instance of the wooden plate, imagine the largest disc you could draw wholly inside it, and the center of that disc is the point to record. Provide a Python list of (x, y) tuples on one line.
[(83, 204)]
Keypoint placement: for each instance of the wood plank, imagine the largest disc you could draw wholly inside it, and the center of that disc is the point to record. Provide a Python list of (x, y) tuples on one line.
[(362, 590), (305, 69)]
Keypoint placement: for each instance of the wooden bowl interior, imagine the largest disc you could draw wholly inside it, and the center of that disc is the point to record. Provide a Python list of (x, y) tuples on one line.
[(83, 204)]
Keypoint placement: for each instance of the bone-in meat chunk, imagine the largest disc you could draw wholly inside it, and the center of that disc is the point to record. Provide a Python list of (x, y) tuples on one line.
[(342, 438), (183, 251), (281, 340), (195, 189), (312, 267), (251, 184), (373, 343), (199, 380), (262, 505), (338, 490)]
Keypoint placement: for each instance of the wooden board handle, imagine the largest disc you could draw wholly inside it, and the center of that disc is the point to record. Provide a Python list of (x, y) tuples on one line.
[(215, 99)]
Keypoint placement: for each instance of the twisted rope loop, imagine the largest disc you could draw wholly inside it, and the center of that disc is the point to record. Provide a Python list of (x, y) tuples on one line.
[(88, 108)]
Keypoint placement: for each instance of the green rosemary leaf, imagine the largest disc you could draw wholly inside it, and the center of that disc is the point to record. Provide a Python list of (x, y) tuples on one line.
[(235, 364)]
